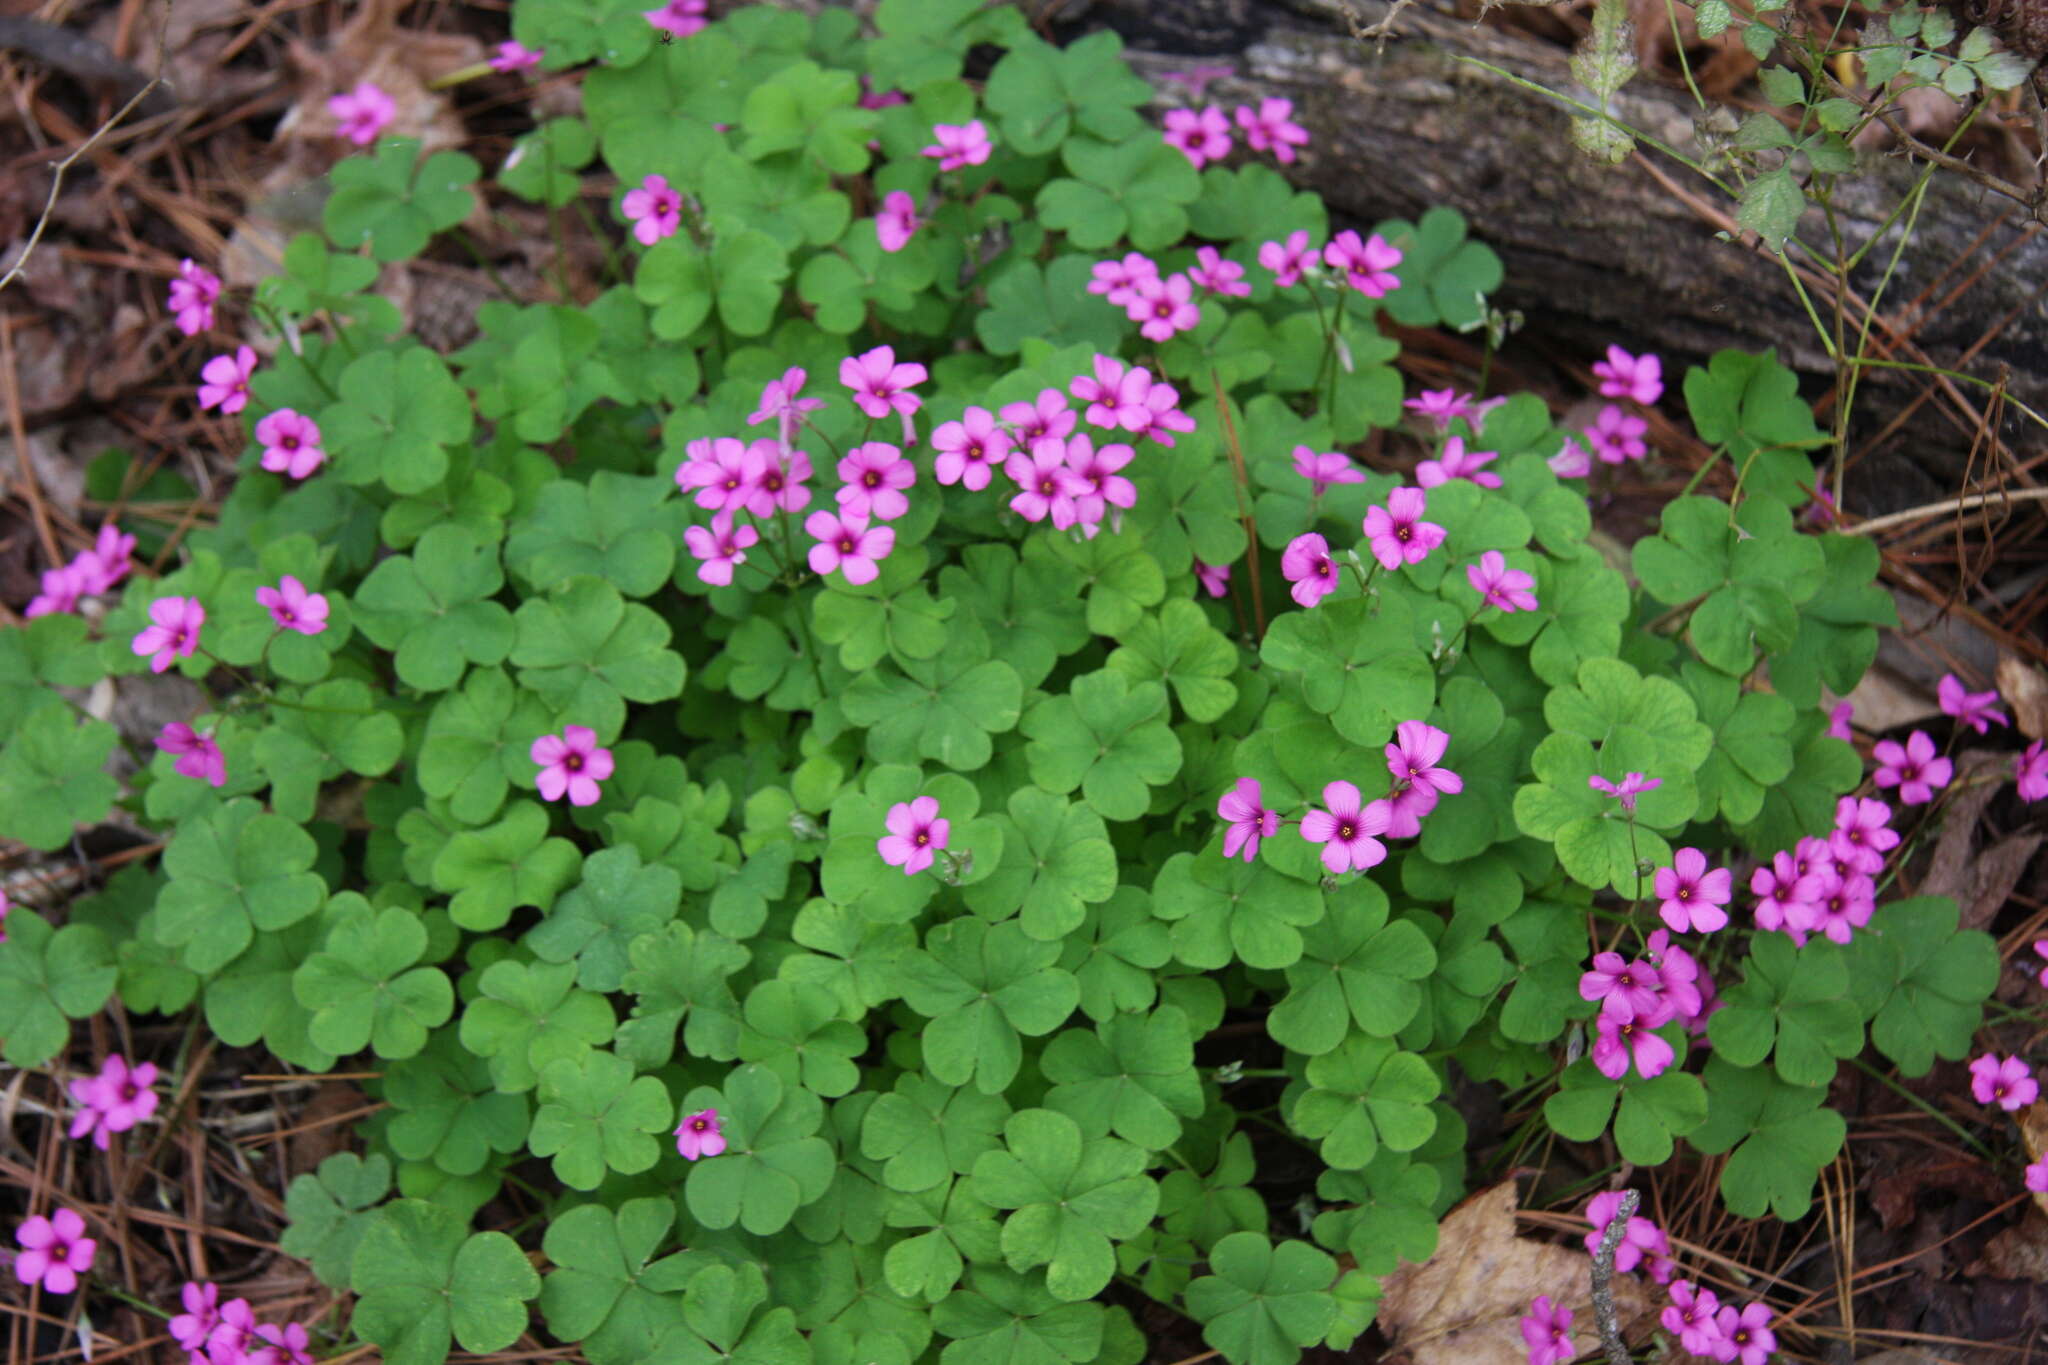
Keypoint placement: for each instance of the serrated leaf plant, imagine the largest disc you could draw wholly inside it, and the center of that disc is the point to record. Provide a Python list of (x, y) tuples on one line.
[(850, 784)]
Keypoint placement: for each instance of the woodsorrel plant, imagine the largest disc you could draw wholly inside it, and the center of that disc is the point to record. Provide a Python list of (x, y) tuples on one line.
[(802, 763)]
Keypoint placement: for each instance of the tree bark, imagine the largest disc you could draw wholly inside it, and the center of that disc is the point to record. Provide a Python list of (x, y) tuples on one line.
[(1628, 254)]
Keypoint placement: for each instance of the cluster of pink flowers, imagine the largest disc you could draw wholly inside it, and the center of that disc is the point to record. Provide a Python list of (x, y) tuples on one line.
[(1827, 886), (1203, 135), (1349, 828), (1396, 532), (1456, 462), (91, 573), (571, 764), (1367, 264), (214, 1333), (916, 834), (1639, 996), (1162, 307), (1617, 434), (114, 1101)]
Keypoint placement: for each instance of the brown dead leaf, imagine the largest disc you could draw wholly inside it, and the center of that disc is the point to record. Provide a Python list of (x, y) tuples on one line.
[(1978, 882), (2018, 1253), (2025, 689), (1464, 1305), (1896, 1194)]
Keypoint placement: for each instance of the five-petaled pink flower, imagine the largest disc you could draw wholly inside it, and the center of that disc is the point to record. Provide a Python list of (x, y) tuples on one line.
[(509, 57), (1862, 834), (291, 444), (874, 475), (1215, 580), (1200, 137), (1218, 276), (1746, 1336), (1617, 436), (193, 295), (1117, 281), (1456, 462), (1572, 461), (1397, 531), (778, 477), (967, 448), (680, 17), (1324, 468), (1641, 1238), (571, 763), (1418, 781), (362, 113), (192, 1328), (1288, 259), (1547, 1332), (1693, 898), (718, 468), (1442, 406), (1690, 1317), (897, 221), (1623, 988), (916, 832), (781, 402), (172, 632), (114, 1101), (880, 385), (1249, 820), (699, 1135), (1102, 486), (1368, 265), (961, 144), (1347, 828), (198, 755), (847, 543), (2004, 1081), (1621, 375), (1632, 785), (233, 1329), (1617, 1042), (1306, 564), (1271, 128), (1973, 709), (224, 381), (720, 547), (1046, 483), (1163, 306), (293, 608), (1049, 415), (1914, 768), (655, 209), (1508, 589), (2030, 772), (55, 1251), (286, 1345)]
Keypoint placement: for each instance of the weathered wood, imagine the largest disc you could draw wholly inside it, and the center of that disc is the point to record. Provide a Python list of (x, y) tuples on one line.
[(1597, 254)]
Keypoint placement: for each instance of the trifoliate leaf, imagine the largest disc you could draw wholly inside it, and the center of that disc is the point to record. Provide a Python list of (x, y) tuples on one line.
[(234, 871), (364, 987), (328, 1213), (594, 924), (1363, 1095), (773, 1164), (1225, 908), (47, 978), (595, 1117), (528, 1015), (1133, 1075), (1796, 999), (982, 986), (1261, 1304), (384, 199), (423, 1279), (1780, 1136), (1069, 1200), (1355, 968), (1921, 982), (434, 608), (52, 778)]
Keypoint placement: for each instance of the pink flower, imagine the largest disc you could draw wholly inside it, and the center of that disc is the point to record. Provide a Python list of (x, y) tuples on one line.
[(1308, 566), (1617, 1043), (1632, 785), (2003, 1081), (967, 447), (1217, 275), (1627, 990), (720, 547), (1442, 406), (191, 1328), (1117, 281), (1783, 898), (1048, 416), (1456, 462), (1746, 1335), (1547, 1332), (509, 57), (1272, 128), (1571, 461), (1973, 709), (1838, 722), (1163, 306), (680, 17), (780, 402), (778, 479), (1622, 375), (286, 1345), (2040, 948), (362, 113), (1616, 436), (114, 1101), (1101, 485), (173, 632), (958, 145), (108, 561), (1368, 266), (1287, 260), (61, 589), (2030, 772), (2037, 1176), (293, 608), (1692, 896), (193, 295), (1325, 468), (1215, 580), (1844, 904), (1047, 484), (1639, 1239), (55, 1251), (1346, 829), (291, 444), (874, 476), (1200, 137), (699, 1135), (571, 762), (897, 222), (5, 906), (1683, 994), (224, 381), (1415, 758), (1862, 834), (883, 99), (1112, 389), (1154, 412), (719, 469), (1915, 769), (1249, 820), (1690, 1318), (1508, 589), (847, 543), (1398, 533), (916, 832), (654, 209), (880, 385), (198, 755)]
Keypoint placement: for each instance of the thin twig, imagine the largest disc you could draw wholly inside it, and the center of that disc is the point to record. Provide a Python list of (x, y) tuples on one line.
[(1936, 509), (1603, 1278)]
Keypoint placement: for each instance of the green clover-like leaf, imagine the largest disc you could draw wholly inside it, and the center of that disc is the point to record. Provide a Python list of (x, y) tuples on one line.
[(1261, 1304), (434, 608), (678, 978), (774, 1162), (234, 871), (1778, 1137), (1921, 982), (1106, 736), (1794, 1002), (423, 1279), (1069, 1199), (1225, 908), (365, 989), (594, 924), (608, 1291), (49, 977), (595, 1117), (398, 414), (1363, 1095), (1358, 667), (982, 986), (528, 1015), (617, 528), (1132, 1075), (329, 1212), (395, 205), (52, 779), (1354, 967)]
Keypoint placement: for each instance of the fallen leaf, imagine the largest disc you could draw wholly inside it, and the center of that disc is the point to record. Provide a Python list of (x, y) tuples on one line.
[(1977, 883), (1464, 1305), (2025, 689), (1896, 1194), (2018, 1253)]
